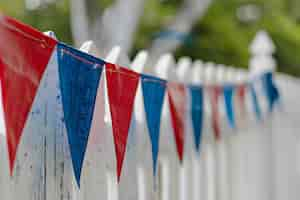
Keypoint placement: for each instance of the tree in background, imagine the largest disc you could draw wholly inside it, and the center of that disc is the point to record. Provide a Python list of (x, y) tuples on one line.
[(118, 23)]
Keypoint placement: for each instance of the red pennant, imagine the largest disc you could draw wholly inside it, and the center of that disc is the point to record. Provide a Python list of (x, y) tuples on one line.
[(241, 93), (215, 92), (177, 102), (122, 85), (24, 54)]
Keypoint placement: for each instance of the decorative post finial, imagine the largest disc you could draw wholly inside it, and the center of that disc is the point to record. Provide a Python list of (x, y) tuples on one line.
[(262, 48)]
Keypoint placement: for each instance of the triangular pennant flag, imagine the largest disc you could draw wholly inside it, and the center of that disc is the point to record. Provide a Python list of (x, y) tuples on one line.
[(228, 98), (153, 92), (241, 94), (24, 55), (79, 76), (256, 105), (197, 113), (121, 85), (215, 92), (177, 102), (271, 90)]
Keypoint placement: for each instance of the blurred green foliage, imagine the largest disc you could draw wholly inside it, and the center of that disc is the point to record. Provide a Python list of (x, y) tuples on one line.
[(220, 36), (51, 17)]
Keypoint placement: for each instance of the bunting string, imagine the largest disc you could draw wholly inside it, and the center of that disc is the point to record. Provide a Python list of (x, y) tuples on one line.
[(25, 55)]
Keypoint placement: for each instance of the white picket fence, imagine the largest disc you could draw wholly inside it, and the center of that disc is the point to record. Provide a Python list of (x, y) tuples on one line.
[(259, 161)]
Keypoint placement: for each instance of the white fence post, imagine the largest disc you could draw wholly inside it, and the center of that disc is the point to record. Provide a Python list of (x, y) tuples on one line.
[(222, 145), (168, 162), (185, 179), (144, 163), (262, 177), (209, 143), (199, 173)]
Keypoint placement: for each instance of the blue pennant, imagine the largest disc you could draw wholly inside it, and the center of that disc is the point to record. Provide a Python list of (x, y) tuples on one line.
[(228, 97), (271, 90), (79, 78), (197, 113), (255, 101), (153, 92)]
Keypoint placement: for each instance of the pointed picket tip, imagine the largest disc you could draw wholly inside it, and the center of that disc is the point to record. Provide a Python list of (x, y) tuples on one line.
[(50, 34), (164, 67), (90, 48), (161, 70), (221, 80), (198, 63), (262, 49), (230, 75), (138, 65), (197, 72), (241, 79), (209, 73), (241, 76), (221, 74), (117, 56), (113, 55), (183, 69), (124, 60), (214, 94), (86, 46), (197, 103), (262, 44), (139, 61)]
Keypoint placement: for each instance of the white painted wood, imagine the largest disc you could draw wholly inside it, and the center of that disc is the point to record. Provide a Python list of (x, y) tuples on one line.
[(57, 155), (222, 146), (145, 176), (256, 162), (50, 33), (209, 144), (90, 48), (127, 187), (4, 168), (230, 78), (168, 159), (113, 55), (197, 73), (183, 70), (285, 128), (199, 170), (98, 179), (43, 165), (282, 148), (186, 175), (263, 174), (138, 63), (262, 44)]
